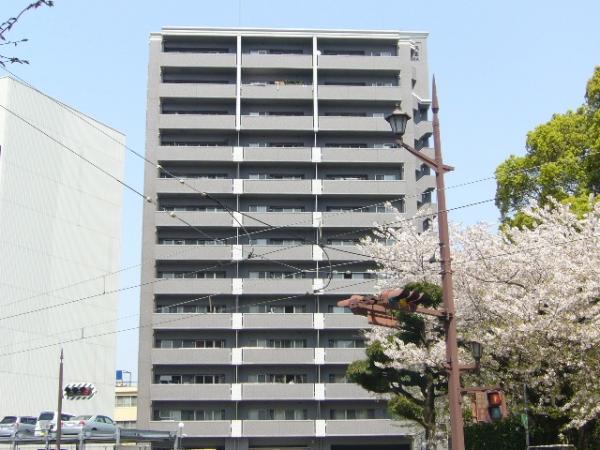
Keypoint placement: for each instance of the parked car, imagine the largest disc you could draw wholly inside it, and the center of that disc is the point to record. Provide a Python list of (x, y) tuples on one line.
[(46, 422), (17, 426), (90, 425)]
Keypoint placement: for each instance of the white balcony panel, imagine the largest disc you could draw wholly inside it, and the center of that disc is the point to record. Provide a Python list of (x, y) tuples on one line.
[(345, 321), (353, 123), (278, 391), (196, 90), (277, 61), (363, 155), (196, 121), (209, 428), (369, 427), (193, 286), (173, 59), (270, 187), (279, 252), (278, 356), (349, 287), (277, 123), (366, 93), (191, 356), (343, 355), (278, 428), (190, 392), (277, 219), (277, 154), (360, 62), (364, 187), (358, 219), (192, 252), (280, 91), (285, 286), (194, 153), (278, 321), (191, 321), (195, 218), (348, 391)]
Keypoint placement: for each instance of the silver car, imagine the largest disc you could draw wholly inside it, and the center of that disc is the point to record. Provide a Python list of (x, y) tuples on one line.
[(17, 426), (90, 425), (46, 422)]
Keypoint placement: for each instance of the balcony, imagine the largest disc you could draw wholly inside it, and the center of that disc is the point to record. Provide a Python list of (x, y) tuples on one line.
[(362, 155), (277, 219), (343, 355), (278, 154), (360, 62), (358, 219), (278, 391), (277, 286), (193, 252), (364, 187), (346, 253), (278, 123), (216, 60), (180, 286), (278, 428), (278, 356), (193, 153), (370, 427), (191, 321), (276, 61), (348, 391), (190, 392), (295, 187), (195, 218), (423, 128), (361, 93), (350, 287), (278, 321), (345, 321), (279, 252), (193, 186), (196, 90), (277, 92), (353, 124), (196, 121), (209, 428), (191, 356)]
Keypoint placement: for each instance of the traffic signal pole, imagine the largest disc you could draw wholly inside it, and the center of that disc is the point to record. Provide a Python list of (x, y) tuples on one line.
[(59, 407)]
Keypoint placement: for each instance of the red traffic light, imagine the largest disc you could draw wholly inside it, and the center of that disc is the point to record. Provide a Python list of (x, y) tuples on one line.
[(79, 391)]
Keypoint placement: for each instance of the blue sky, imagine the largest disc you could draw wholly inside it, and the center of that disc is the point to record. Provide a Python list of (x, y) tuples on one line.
[(502, 67)]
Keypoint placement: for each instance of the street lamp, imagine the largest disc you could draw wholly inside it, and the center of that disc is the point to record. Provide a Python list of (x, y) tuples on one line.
[(398, 121)]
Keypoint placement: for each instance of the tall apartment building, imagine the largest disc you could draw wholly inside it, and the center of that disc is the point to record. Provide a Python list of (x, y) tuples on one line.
[(60, 233), (284, 131)]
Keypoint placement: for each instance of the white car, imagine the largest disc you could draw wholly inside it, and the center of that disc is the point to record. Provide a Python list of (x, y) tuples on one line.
[(17, 426), (90, 425), (46, 422)]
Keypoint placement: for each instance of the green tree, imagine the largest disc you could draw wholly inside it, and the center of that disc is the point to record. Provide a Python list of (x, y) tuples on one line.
[(562, 161), (413, 387)]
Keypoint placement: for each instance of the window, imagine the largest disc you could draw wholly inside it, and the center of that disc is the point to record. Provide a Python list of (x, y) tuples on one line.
[(276, 275), (277, 343), (189, 414), (346, 343), (277, 378), (191, 343), (333, 309), (277, 309), (343, 242), (347, 177), (388, 176), (351, 414), (338, 378), (278, 414), (125, 401)]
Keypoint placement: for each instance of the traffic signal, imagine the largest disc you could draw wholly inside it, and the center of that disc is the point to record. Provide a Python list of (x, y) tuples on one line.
[(403, 298), (79, 391), (495, 405)]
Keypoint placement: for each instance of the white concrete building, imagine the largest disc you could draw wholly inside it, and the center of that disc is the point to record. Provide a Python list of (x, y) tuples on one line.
[(60, 227)]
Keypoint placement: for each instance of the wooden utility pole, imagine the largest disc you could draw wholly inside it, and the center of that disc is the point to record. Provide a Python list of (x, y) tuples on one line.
[(60, 398)]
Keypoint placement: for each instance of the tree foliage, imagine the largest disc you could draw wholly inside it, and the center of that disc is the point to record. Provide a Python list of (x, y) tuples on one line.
[(7, 26), (562, 161), (531, 295)]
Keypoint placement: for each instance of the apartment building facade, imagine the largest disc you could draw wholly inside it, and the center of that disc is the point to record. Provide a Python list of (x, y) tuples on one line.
[(60, 226), (273, 160)]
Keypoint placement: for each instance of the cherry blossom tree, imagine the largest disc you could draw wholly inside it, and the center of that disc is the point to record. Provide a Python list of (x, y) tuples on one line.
[(531, 296)]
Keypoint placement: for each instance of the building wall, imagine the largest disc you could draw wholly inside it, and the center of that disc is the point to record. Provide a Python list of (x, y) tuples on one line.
[(60, 224), (230, 104)]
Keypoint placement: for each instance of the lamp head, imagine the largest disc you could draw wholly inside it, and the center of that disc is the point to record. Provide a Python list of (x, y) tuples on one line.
[(476, 350), (398, 120)]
